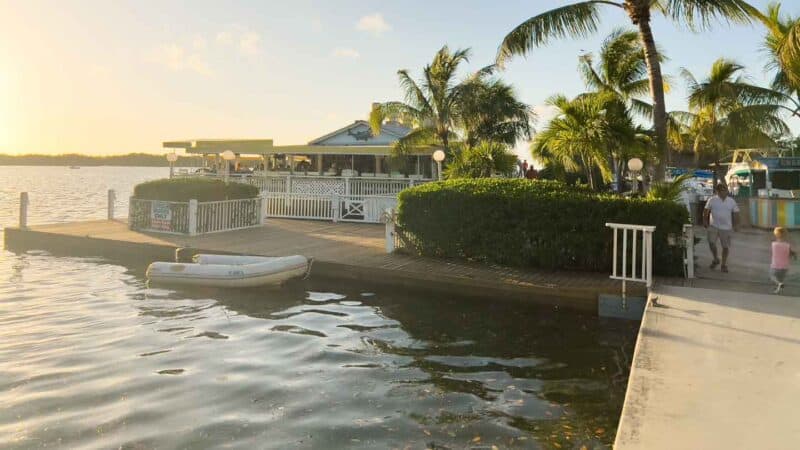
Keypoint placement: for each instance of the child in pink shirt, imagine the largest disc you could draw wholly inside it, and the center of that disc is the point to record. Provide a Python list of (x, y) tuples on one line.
[(781, 253)]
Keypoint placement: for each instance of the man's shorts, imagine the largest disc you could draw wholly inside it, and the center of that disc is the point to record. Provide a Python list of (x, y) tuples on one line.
[(724, 236)]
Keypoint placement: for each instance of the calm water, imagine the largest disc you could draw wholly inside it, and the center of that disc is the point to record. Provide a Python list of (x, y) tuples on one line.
[(92, 358)]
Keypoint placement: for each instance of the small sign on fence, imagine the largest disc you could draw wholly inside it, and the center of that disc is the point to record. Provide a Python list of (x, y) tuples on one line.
[(161, 216)]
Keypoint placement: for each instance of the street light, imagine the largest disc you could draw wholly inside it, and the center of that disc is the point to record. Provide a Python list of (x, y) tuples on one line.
[(171, 157), (635, 165), (438, 156), (228, 156)]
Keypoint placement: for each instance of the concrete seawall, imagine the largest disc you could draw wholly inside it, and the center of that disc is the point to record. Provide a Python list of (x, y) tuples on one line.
[(342, 251)]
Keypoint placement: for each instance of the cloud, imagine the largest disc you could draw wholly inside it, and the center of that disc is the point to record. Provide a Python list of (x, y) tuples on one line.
[(225, 37), (250, 43), (247, 42), (373, 23), (343, 52), (177, 59), (316, 24), (199, 43)]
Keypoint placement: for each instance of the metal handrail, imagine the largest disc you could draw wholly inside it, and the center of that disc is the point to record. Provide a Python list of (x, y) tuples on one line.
[(645, 253)]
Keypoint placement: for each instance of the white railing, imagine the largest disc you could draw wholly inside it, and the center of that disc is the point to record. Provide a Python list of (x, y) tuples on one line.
[(299, 206), (363, 208), (195, 217), (639, 245), (346, 208), (298, 183), (227, 215)]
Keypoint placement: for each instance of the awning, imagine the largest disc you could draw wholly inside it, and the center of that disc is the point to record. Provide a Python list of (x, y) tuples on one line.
[(247, 146), (265, 147)]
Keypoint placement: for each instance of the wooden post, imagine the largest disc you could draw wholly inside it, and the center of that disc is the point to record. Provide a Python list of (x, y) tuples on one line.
[(23, 210), (112, 197), (192, 217)]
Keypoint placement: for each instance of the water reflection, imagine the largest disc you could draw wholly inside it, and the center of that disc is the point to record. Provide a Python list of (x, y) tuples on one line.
[(110, 363)]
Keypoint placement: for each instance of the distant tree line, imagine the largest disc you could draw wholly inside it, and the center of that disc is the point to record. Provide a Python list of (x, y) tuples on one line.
[(75, 159)]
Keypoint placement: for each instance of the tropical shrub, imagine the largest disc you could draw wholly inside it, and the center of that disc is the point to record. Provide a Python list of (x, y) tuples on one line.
[(200, 189), (543, 224), (480, 161), (669, 190)]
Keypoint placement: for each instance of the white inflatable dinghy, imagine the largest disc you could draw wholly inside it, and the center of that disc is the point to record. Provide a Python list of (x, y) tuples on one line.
[(230, 270)]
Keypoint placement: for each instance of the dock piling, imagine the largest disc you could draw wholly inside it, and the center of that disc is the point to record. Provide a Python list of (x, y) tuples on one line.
[(23, 210), (112, 198)]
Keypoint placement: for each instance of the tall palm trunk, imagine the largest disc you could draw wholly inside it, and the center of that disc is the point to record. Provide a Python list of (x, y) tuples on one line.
[(639, 12)]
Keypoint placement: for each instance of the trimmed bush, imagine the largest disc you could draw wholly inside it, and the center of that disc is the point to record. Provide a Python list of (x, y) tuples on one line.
[(200, 189), (544, 224)]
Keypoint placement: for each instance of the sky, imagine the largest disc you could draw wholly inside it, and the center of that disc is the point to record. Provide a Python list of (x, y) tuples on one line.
[(102, 77)]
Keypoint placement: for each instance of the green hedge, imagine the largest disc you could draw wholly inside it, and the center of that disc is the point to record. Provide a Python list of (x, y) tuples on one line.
[(200, 189), (544, 224)]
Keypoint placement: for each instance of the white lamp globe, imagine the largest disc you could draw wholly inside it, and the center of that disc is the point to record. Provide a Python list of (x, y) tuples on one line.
[(228, 155), (172, 157), (635, 164), (438, 156)]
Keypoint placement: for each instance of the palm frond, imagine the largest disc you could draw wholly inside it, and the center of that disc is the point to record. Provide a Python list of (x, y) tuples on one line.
[(575, 20), (699, 14)]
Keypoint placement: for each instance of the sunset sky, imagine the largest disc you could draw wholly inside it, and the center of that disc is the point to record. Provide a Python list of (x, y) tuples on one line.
[(104, 77)]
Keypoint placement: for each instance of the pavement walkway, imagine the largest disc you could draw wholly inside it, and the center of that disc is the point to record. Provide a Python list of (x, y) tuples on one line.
[(748, 264), (714, 370)]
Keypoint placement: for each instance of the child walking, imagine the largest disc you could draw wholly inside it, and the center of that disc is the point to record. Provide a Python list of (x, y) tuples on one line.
[(781, 253)]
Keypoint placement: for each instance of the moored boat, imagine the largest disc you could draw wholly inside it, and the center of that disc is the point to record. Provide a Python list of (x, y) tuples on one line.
[(230, 270)]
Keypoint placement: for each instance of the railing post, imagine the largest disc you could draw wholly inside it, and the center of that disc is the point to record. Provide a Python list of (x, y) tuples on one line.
[(112, 197), (688, 233), (263, 209), (23, 210), (192, 217), (336, 205), (389, 214), (649, 260), (288, 184)]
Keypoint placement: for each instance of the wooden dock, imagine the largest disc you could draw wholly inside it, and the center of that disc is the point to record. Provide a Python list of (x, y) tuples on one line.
[(341, 250)]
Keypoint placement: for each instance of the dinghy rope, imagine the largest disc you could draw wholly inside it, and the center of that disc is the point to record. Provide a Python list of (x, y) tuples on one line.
[(308, 270)]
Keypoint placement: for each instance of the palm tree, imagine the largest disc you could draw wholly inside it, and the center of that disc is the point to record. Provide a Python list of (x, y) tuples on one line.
[(480, 160), (620, 69), (582, 18), (782, 44), (726, 112), (588, 134), (787, 69), (489, 110), (429, 105)]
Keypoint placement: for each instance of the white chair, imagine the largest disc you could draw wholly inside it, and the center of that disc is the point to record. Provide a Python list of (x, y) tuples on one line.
[(381, 175), (367, 174)]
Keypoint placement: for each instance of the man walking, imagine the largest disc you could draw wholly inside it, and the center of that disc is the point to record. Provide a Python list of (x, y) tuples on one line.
[(721, 218)]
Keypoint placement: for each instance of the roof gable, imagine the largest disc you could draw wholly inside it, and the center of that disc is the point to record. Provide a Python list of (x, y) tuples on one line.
[(360, 133)]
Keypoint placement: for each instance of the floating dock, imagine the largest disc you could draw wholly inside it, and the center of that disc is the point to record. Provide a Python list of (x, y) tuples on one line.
[(341, 250)]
